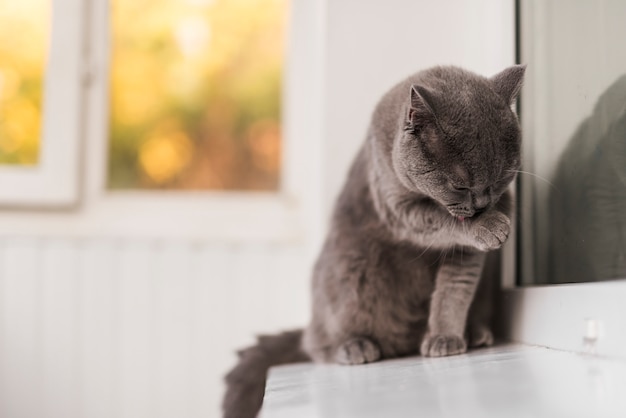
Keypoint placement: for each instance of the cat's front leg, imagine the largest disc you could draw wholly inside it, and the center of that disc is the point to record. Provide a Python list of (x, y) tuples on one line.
[(455, 285)]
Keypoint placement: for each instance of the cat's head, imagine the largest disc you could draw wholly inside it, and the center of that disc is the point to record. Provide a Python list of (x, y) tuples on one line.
[(461, 140)]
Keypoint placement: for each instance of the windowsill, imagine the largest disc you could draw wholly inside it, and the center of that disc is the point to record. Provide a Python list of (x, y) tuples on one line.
[(214, 217), (503, 381)]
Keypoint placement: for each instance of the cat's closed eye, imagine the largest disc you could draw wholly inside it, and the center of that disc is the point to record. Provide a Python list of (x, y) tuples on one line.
[(459, 188)]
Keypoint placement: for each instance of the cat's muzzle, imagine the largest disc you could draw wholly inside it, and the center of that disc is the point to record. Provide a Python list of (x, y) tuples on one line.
[(461, 213)]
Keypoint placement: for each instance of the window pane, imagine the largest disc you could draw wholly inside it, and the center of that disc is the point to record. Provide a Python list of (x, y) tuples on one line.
[(196, 94), (573, 212), (24, 33)]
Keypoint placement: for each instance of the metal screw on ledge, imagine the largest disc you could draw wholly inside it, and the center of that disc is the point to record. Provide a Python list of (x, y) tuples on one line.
[(590, 338)]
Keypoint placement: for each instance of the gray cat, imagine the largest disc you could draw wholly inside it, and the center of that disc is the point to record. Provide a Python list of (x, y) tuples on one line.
[(424, 201)]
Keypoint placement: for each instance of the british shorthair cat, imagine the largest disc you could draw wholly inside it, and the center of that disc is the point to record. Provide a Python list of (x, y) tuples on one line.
[(425, 200)]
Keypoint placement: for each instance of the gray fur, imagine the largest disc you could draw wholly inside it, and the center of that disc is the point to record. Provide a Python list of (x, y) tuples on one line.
[(405, 251), (246, 382), (399, 268)]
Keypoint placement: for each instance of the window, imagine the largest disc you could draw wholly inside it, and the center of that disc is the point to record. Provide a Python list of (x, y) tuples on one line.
[(39, 124), (195, 94), (21, 78), (572, 198), (573, 217), (194, 97), (169, 120)]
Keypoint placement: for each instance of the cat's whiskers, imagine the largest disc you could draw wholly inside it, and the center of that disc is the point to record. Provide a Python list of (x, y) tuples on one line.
[(464, 229), (425, 250), (444, 253), (454, 226), (535, 175), (438, 257)]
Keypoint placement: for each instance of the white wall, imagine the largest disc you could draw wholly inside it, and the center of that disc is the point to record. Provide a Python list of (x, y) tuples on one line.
[(93, 327), (109, 328), (373, 44)]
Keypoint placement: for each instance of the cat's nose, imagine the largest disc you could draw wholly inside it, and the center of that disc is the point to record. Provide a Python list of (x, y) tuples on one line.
[(478, 211), (481, 203)]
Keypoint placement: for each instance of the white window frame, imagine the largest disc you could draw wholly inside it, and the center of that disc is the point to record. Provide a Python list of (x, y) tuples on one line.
[(52, 181), (583, 317), (283, 216)]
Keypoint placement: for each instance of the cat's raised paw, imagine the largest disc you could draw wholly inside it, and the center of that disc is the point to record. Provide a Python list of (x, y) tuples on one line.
[(357, 351), (440, 345), (491, 230)]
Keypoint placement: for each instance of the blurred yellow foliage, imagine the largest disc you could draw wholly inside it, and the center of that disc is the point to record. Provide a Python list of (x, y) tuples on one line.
[(24, 37), (165, 155), (20, 130), (213, 68), (264, 140)]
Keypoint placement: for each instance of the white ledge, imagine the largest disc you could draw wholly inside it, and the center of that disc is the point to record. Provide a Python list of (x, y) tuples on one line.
[(504, 381)]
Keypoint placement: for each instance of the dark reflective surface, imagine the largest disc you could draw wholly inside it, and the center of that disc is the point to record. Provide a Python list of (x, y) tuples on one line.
[(587, 205), (572, 200)]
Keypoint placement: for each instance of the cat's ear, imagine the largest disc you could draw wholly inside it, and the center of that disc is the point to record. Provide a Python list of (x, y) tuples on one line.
[(423, 103), (508, 83)]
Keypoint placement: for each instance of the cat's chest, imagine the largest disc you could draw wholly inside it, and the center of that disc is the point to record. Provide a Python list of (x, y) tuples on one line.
[(413, 272)]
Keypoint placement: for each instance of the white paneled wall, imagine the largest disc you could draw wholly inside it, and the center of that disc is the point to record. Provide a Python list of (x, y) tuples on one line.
[(118, 328)]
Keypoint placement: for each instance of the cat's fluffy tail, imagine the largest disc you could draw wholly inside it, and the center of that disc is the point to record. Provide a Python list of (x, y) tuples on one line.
[(246, 382)]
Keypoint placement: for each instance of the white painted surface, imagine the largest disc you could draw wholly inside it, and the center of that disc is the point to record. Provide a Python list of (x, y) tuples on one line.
[(53, 181), (217, 217), (136, 328), (372, 45), (507, 381), (557, 316)]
